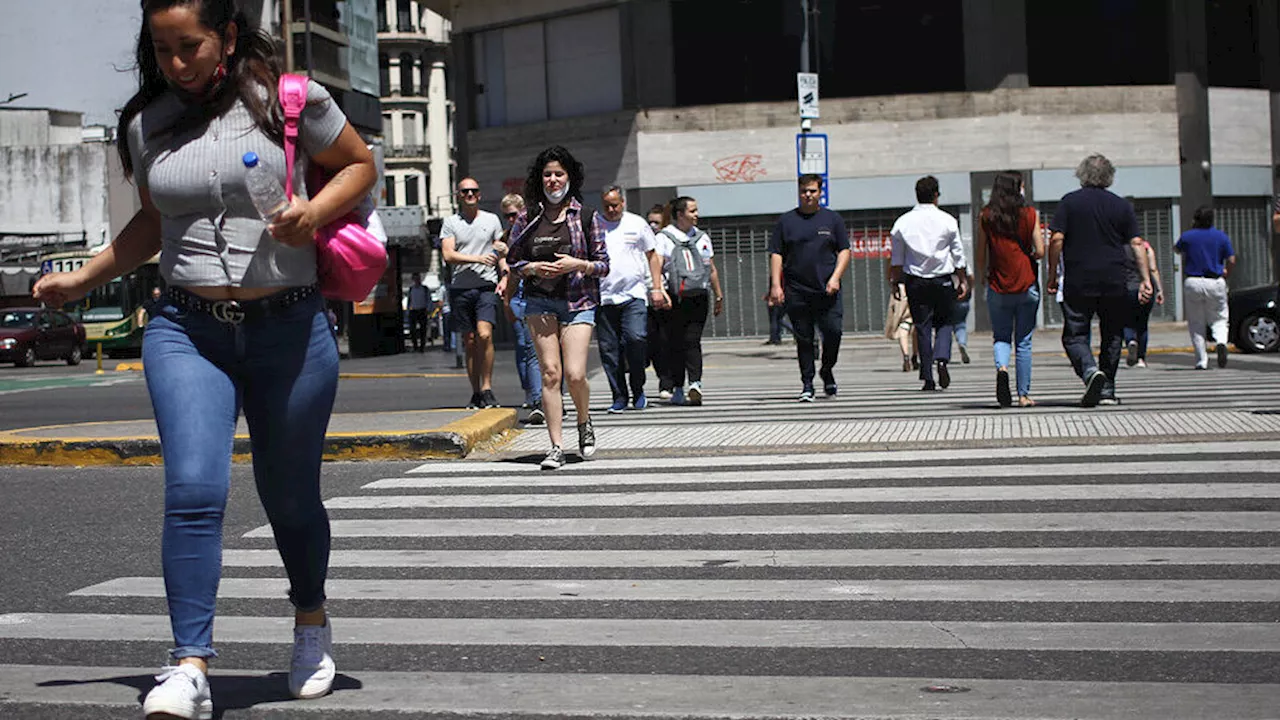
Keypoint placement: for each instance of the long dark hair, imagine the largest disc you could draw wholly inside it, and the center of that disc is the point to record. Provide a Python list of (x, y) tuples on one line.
[(533, 196), (1004, 209), (253, 68)]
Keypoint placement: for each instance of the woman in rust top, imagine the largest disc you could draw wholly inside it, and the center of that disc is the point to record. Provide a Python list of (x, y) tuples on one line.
[(1009, 244)]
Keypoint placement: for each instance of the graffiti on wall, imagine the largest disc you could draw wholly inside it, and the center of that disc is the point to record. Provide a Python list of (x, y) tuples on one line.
[(740, 168)]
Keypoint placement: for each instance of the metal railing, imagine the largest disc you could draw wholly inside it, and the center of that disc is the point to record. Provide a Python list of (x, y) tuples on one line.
[(406, 151)]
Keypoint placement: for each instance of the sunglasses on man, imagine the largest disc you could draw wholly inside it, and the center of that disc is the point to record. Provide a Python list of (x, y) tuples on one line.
[(468, 191)]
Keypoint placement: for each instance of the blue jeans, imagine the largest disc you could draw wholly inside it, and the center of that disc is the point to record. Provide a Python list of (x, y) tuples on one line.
[(1139, 328), (622, 335), (526, 359), (283, 370), (960, 323), (1013, 322)]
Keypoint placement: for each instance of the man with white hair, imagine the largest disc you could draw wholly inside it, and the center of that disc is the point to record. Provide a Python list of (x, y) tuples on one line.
[(1091, 228)]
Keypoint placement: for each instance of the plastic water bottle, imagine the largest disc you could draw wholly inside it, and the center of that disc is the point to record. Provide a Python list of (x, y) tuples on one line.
[(264, 189)]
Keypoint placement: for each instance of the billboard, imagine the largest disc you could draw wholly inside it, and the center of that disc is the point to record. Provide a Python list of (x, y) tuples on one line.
[(360, 21)]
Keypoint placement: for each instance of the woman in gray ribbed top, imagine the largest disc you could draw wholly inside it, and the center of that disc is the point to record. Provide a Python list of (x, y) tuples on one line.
[(241, 325)]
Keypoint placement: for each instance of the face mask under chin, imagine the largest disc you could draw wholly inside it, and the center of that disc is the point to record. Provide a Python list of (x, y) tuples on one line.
[(557, 197)]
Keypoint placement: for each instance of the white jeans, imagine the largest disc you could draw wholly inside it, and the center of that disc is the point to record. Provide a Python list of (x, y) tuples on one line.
[(1205, 303)]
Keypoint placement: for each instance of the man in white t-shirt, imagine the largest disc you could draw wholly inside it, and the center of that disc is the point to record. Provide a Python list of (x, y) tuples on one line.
[(479, 274), (622, 317)]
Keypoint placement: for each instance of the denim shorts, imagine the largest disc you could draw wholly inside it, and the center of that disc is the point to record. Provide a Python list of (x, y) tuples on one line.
[(559, 307)]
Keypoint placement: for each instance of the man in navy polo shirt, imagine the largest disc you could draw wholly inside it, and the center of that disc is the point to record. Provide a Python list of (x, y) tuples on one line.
[(1091, 227), (808, 255)]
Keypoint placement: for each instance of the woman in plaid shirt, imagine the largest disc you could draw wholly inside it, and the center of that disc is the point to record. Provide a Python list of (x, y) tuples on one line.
[(557, 247)]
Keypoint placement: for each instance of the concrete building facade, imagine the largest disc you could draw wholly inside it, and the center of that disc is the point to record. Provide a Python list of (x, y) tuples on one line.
[(670, 97)]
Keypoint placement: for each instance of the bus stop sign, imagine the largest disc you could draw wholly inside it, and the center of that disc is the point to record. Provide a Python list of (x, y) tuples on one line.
[(46, 267), (811, 159)]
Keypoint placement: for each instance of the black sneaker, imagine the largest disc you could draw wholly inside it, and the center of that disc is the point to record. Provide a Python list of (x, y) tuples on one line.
[(554, 459), (1222, 355), (488, 400), (944, 376), (1003, 396), (964, 354), (1109, 400), (476, 402), (1093, 388), (536, 416), (829, 387), (586, 439), (806, 394)]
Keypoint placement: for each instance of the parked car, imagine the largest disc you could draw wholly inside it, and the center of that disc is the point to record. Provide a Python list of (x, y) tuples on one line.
[(30, 334), (1255, 319)]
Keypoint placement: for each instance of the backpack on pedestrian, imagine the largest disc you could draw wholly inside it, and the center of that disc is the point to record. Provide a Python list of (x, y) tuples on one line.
[(688, 274)]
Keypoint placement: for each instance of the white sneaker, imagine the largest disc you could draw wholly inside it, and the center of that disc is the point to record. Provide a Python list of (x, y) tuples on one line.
[(312, 670), (181, 692)]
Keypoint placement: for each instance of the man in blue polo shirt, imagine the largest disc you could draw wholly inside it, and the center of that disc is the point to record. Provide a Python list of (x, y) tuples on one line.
[(1207, 260), (1091, 227), (808, 255)]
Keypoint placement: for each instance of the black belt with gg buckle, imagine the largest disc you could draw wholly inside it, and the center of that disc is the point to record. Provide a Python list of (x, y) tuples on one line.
[(234, 312)]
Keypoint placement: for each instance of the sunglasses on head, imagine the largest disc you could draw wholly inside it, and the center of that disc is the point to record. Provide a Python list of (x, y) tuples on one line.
[(468, 191)]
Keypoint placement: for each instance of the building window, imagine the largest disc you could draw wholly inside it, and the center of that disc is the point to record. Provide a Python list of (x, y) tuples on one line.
[(406, 74), (390, 182), (409, 128), (560, 68), (404, 16), (1098, 42), (384, 74), (411, 189)]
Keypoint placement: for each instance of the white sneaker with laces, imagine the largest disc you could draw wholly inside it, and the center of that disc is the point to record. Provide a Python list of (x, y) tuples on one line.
[(312, 670), (181, 692)]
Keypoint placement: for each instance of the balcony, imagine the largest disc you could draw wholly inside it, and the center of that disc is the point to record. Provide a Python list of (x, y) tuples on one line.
[(402, 29), (420, 153), (398, 96)]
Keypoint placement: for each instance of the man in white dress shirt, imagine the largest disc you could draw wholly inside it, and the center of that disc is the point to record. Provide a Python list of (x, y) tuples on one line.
[(928, 257)]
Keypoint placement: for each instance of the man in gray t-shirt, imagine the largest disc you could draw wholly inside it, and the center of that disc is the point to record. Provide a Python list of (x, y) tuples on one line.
[(479, 272)]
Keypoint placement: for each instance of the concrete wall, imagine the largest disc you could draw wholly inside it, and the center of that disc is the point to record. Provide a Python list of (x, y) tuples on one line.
[(55, 190), (747, 152)]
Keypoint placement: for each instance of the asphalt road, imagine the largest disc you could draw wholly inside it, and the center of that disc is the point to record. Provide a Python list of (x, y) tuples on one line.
[(54, 394), (1085, 594)]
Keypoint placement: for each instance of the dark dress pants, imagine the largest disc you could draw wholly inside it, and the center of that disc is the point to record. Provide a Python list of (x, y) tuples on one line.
[(932, 302), (680, 332), (810, 314), (1113, 311)]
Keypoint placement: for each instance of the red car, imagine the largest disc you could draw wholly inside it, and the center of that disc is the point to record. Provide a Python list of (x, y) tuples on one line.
[(31, 334)]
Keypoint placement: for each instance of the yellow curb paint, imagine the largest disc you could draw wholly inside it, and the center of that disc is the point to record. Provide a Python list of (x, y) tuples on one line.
[(477, 428), (482, 425), (129, 367), (387, 376)]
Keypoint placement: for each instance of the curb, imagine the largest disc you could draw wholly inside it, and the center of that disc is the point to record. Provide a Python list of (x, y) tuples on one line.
[(453, 441)]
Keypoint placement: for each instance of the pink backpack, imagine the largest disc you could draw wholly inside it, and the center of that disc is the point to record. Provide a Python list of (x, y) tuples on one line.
[(350, 259)]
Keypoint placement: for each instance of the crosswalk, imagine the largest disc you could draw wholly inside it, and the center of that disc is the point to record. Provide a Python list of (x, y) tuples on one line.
[(750, 401), (1096, 581)]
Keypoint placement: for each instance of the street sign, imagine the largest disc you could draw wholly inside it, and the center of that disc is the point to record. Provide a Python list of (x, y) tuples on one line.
[(46, 267), (807, 85), (811, 159)]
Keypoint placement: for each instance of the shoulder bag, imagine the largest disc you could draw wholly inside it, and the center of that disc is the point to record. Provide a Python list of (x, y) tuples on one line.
[(350, 256)]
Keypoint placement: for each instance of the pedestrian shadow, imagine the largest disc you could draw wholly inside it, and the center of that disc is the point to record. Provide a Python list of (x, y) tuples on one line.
[(536, 459), (229, 691)]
